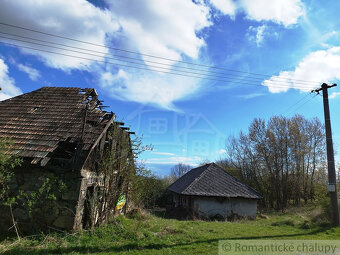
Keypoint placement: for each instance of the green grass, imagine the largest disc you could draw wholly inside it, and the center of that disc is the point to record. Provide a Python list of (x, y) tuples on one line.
[(152, 234)]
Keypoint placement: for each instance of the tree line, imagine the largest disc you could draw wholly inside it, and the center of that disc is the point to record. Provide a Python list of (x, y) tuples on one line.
[(283, 159)]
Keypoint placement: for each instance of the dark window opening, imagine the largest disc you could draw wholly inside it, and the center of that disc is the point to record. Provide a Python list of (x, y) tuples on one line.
[(87, 219)]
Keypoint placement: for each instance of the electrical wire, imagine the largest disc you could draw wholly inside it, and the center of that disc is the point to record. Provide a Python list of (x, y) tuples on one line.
[(294, 111), (159, 66), (122, 58), (140, 64), (147, 55), (141, 68), (301, 99)]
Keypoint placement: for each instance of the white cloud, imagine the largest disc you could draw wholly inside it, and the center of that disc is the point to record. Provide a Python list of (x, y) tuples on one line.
[(77, 19), (252, 95), (329, 35), (165, 28), (33, 73), (7, 84), (285, 12), (163, 153), (168, 28), (334, 95), (108, 79), (319, 66), (148, 87), (257, 34), (324, 38), (227, 7), (193, 161), (260, 33)]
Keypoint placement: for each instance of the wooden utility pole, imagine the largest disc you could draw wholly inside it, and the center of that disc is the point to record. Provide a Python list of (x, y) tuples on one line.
[(330, 155)]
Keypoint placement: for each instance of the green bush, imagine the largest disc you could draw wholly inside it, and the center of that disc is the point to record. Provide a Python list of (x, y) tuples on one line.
[(148, 190)]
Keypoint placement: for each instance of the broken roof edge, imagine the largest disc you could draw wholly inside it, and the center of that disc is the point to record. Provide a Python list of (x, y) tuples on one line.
[(91, 90), (108, 124), (44, 160), (76, 93)]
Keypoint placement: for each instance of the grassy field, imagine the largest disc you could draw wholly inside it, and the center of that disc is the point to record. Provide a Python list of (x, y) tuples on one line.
[(153, 234)]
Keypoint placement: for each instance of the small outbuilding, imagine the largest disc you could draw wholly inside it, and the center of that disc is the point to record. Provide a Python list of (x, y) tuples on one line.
[(209, 191)]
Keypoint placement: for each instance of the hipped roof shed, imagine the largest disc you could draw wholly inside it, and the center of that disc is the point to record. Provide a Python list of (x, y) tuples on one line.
[(212, 181)]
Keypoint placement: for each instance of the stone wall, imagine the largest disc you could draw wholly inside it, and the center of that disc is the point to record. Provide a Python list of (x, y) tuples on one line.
[(59, 213), (67, 211)]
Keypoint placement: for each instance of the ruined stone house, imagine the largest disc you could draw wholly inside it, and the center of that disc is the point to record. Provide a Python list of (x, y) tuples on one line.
[(209, 191), (64, 132)]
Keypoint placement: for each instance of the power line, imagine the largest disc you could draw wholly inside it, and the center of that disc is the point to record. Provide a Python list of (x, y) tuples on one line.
[(141, 68), (144, 65), (301, 99), (117, 59), (147, 55), (303, 103), (124, 57)]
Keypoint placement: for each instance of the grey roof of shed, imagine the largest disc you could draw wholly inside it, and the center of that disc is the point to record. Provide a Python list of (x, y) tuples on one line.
[(212, 180)]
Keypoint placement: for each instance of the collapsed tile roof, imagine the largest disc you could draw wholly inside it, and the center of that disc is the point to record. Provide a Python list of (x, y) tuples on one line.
[(40, 121), (212, 180)]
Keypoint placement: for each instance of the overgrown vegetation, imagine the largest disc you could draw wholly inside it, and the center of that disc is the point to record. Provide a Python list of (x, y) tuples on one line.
[(7, 165), (122, 177), (33, 202), (146, 233), (115, 168), (149, 190)]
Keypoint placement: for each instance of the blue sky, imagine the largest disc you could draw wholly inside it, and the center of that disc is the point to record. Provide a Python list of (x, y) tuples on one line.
[(272, 51)]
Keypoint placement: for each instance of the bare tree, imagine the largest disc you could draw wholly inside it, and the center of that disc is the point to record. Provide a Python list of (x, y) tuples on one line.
[(279, 158), (179, 170)]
